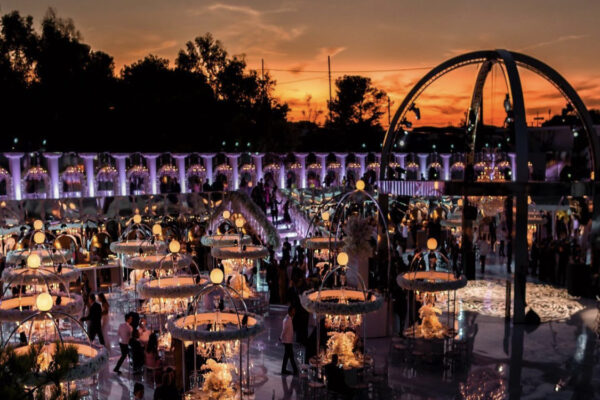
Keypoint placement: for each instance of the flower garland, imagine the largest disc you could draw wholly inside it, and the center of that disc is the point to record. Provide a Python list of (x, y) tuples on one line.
[(224, 240), (430, 281), (182, 328), (10, 308), (29, 276), (133, 247), (250, 252), (326, 301), (48, 256), (173, 287), (156, 261)]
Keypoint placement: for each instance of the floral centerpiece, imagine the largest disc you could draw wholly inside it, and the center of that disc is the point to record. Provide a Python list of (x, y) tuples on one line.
[(342, 344), (217, 382)]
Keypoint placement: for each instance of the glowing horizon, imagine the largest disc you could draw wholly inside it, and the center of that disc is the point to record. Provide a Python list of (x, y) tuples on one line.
[(382, 40)]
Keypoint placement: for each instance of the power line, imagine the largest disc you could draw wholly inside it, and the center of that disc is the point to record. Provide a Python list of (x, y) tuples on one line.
[(301, 80), (300, 71)]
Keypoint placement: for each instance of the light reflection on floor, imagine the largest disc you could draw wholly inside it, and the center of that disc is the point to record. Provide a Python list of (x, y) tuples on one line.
[(556, 355)]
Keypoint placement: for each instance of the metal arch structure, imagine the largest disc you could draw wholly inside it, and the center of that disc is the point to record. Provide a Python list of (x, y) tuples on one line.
[(522, 187), (510, 61)]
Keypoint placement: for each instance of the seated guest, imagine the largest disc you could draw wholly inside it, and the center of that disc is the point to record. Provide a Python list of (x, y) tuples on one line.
[(152, 358), (137, 351), (335, 376), (167, 389)]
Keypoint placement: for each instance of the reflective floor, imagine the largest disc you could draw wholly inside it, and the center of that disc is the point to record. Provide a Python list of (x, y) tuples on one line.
[(556, 360)]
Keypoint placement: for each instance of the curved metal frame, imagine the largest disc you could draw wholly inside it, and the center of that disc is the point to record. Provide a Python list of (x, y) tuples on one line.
[(510, 60), (209, 288)]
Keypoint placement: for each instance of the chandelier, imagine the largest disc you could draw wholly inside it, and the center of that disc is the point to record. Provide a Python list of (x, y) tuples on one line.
[(435, 165), (489, 205), (342, 322), (219, 349), (458, 166), (412, 166), (334, 166)]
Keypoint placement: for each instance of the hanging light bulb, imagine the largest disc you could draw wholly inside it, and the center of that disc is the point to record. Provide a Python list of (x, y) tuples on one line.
[(34, 261), (44, 302), (174, 246)]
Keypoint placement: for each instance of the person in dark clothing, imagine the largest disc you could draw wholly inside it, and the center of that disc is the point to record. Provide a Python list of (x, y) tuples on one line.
[(563, 260), (167, 389), (95, 319), (535, 258), (137, 351), (287, 338), (299, 254)]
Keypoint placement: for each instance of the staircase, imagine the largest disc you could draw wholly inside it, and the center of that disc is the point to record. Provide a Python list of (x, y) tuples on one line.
[(285, 231)]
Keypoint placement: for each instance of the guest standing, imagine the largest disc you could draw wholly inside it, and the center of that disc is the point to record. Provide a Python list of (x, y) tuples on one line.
[(287, 338), (95, 319), (125, 331), (152, 358), (104, 321)]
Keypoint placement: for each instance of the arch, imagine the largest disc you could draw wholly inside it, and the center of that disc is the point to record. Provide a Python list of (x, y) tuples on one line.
[(516, 121), (510, 60)]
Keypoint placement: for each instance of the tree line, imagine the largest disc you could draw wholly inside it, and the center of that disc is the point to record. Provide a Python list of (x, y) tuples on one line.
[(60, 94)]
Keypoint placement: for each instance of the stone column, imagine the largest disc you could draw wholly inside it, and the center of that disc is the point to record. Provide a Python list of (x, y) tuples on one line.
[(88, 159), (423, 164), (233, 160), (401, 159), (181, 169), (258, 163), (208, 164), (513, 166), (122, 169), (302, 160), (323, 160), (361, 159), (54, 173), (282, 172), (151, 163), (15, 170), (446, 165), (341, 157)]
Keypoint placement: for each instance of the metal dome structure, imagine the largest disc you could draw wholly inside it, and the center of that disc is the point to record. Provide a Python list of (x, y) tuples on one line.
[(521, 185)]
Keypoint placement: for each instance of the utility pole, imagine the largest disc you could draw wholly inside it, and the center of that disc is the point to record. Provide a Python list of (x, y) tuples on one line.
[(329, 74), (262, 68), (389, 116)]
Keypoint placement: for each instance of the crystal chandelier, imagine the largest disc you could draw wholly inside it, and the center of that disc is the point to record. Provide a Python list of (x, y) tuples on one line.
[(342, 322), (489, 205), (220, 349)]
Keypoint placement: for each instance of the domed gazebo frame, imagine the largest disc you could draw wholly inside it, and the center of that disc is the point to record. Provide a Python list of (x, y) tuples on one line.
[(520, 187), (252, 327)]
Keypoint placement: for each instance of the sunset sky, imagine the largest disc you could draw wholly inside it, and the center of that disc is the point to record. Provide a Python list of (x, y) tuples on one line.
[(393, 42)]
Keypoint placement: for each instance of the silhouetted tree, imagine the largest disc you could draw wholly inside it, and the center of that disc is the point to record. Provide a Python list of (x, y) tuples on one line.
[(356, 111)]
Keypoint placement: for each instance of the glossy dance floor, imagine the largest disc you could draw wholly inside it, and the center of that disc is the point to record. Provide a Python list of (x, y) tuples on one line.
[(558, 360)]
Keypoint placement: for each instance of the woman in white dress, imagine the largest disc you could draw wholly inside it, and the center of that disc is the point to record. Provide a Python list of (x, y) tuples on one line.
[(105, 320)]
